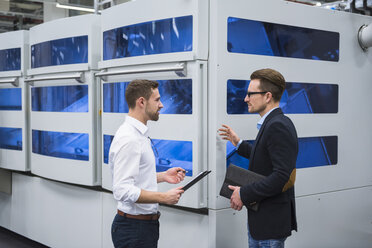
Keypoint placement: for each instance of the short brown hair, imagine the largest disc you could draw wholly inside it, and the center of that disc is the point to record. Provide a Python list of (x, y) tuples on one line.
[(270, 81), (139, 88)]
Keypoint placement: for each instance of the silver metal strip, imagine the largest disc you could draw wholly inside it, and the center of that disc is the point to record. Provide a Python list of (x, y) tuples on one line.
[(180, 69), (12, 81), (78, 76)]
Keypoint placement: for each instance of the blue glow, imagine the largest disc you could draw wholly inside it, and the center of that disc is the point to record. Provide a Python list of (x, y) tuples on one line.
[(107, 140), (176, 96), (270, 39), (298, 98), (312, 152), (11, 138), (72, 98), (168, 153), (61, 145), (10, 59), (11, 99), (155, 37), (72, 50)]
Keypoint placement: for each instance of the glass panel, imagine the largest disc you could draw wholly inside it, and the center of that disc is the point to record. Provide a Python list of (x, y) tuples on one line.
[(264, 38), (10, 59), (73, 50), (11, 99), (72, 98), (107, 140), (312, 152), (298, 98), (168, 153), (11, 138), (155, 37), (61, 144), (176, 96)]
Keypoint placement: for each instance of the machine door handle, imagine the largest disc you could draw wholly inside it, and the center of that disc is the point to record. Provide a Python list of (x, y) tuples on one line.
[(78, 76), (180, 69), (13, 81)]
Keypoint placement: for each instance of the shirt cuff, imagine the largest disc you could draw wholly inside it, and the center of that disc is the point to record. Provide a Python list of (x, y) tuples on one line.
[(237, 146)]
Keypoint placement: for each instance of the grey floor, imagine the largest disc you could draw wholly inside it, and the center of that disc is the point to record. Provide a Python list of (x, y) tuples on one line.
[(9, 239)]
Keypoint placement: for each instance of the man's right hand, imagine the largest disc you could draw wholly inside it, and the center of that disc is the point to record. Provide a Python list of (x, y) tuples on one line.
[(173, 196), (228, 133)]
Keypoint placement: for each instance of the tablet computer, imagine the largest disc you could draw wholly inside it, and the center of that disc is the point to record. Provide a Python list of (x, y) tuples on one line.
[(196, 179)]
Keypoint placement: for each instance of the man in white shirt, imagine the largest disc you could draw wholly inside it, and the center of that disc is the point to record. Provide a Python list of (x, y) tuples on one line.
[(133, 168)]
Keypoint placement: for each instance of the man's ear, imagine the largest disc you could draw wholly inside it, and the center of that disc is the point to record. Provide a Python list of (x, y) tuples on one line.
[(140, 102), (269, 97)]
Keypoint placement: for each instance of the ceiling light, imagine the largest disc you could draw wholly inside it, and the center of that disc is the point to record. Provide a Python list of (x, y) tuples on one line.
[(73, 7)]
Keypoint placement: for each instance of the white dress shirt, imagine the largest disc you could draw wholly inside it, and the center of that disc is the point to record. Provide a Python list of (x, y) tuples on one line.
[(132, 164)]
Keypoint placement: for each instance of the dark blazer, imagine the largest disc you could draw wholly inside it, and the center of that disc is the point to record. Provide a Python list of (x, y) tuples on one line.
[(274, 155)]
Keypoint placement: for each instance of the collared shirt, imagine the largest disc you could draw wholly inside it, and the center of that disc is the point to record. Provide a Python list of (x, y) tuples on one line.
[(132, 164), (259, 124)]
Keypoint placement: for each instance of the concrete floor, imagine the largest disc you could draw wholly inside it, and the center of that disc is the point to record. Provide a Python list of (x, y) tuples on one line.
[(9, 239)]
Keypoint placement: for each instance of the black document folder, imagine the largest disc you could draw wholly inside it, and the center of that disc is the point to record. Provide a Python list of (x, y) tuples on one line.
[(237, 176)]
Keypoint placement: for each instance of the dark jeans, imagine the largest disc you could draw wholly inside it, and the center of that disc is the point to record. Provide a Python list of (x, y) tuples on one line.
[(133, 233)]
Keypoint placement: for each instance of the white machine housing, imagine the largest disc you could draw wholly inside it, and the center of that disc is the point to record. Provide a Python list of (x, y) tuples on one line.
[(166, 66), (62, 169), (15, 159)]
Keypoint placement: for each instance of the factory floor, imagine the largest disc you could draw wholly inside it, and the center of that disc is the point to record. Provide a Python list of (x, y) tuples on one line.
[(9, 239)]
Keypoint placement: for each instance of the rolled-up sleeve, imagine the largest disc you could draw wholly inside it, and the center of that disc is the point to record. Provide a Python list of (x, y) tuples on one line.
[(125, 171)]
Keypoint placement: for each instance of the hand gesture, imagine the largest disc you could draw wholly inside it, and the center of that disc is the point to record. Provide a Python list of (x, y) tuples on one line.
[(235, 201), (174, 175), (228, 134)]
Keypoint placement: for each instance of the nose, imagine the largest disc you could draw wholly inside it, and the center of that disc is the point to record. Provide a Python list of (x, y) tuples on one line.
[(161, 105), (246, 99)]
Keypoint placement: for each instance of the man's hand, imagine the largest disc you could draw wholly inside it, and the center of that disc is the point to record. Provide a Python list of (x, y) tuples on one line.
[(235, 201), (173, 175), (228, 134), (172, 196)]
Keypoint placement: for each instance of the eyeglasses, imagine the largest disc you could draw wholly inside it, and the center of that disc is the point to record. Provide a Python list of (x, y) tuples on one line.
[(254, 93)]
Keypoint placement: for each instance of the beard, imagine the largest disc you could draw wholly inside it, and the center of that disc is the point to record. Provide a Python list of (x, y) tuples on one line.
[(153, 115)]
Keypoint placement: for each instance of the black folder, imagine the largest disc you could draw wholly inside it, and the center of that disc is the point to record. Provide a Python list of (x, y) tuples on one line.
[(237, 176)]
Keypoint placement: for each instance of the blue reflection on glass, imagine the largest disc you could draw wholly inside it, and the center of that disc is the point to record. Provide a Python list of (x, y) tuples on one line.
[(312, 152), (11, 138), (264, 38), (298, 98), (107, 140), (155, 37), (11, 99), (10, 59), (73, 98), (72, 50), (168, 153), (61, 145), (176, 96)]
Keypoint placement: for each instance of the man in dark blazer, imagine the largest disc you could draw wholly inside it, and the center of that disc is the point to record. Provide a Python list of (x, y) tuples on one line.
[(273, 155)]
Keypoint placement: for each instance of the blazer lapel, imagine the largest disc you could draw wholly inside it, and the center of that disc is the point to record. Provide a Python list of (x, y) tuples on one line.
[(267, 119)]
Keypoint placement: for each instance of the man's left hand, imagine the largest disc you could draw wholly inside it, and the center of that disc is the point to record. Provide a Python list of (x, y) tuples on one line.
[(235, 201), (174, 175)]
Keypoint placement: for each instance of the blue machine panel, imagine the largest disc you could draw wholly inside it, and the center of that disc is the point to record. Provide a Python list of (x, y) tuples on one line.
[(155, 37), (72, 98), (312, 152), (61, 145), (298, 98), (168, 153), (271, 39), (72, 50), (11, 138), (10, 59), (176, 96), (11, 99)]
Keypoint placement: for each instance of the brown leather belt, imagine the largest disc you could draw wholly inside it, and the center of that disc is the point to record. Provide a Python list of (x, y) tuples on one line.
[(140, 216)]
